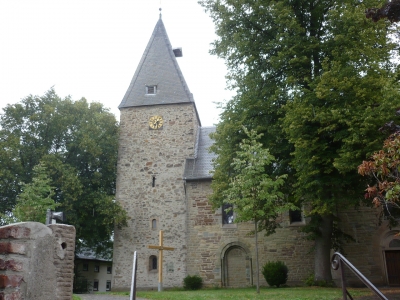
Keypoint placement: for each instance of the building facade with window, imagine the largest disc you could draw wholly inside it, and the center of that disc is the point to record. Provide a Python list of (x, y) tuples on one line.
[(96, 270), (163, 181)]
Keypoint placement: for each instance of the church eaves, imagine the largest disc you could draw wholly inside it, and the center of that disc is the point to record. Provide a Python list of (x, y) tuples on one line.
[(159, 70)]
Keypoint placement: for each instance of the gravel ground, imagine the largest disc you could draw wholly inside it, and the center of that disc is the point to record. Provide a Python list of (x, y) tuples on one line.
[(104, 297)]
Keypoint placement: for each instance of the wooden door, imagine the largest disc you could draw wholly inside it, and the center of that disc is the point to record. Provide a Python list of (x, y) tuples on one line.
[(393, 266)]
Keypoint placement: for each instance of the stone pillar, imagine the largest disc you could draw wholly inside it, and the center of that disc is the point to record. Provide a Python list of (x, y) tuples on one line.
[(36, 261)]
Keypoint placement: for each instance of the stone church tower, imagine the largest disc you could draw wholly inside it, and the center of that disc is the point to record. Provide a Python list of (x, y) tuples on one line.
[(163, 180), (159, 126)]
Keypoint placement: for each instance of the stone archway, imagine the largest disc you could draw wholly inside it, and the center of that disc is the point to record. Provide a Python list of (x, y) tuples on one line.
[(391, 246), (236, 266)]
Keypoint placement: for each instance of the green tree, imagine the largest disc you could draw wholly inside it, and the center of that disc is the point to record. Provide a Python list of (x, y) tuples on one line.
[(252, 192), (77, 141), (35, 198), (318, 79)]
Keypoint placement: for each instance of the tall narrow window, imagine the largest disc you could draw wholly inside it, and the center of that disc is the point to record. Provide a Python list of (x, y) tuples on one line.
[(85, 267), (154, 181), (227, 213), (154, 224), (95, 285), (108, 285), (152, 263)]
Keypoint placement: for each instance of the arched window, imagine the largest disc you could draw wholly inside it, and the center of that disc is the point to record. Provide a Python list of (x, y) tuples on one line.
[(395, 243), (154, 224), (152, 263)]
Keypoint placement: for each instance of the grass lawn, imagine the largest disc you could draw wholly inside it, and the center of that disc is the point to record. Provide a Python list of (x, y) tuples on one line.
[(288, 293)]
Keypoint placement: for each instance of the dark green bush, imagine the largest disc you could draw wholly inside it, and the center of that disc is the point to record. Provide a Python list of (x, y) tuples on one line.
[(275, 273), (81, 285), (310, 281), (194, 282)]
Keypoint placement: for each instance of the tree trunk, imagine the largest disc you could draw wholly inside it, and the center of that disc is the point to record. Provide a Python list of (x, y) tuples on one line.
[(323, 243), (257, 265)]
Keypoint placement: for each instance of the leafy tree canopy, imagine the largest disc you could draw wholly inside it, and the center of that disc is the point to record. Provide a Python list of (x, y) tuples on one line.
[(318, 79), (35, 198), (254, 194), (77, 142)]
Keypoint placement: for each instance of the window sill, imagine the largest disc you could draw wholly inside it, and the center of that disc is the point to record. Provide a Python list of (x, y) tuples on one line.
[(228, 226), (297, 224)]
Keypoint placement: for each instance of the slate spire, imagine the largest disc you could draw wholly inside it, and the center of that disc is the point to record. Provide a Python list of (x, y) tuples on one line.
[(159, 70)]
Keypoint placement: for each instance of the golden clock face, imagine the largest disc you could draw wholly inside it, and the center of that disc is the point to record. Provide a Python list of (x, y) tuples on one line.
[(156, 122)]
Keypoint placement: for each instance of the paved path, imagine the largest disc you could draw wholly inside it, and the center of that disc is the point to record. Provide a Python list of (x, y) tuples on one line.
[(390, 293), (104, 297)]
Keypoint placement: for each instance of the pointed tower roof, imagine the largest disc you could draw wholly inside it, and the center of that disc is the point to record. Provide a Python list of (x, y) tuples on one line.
[(158, 68)]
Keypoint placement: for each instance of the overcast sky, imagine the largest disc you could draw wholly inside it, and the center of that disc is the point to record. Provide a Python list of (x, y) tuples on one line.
[(91, 48)]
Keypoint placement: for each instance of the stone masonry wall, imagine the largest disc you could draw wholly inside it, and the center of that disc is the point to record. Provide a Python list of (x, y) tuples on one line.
[(366, 252), (209, 240), (36, 261), (144, 154)]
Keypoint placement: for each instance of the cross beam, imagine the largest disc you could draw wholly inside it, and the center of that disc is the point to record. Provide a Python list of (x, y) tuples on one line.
[(160, 249)]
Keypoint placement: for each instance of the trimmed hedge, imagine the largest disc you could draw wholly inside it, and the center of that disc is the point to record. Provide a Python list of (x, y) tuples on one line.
[(194, 282), (275, 273)]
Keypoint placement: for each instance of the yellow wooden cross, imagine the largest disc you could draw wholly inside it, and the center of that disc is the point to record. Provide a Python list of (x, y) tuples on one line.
[(160, 248)]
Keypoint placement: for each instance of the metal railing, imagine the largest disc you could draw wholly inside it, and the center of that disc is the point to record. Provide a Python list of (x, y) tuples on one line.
[(338, 260)]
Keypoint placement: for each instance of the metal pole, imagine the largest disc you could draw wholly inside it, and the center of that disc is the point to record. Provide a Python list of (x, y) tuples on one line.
[(344, 289), (160, 263), (48, 217), (338, 260), (133, 284)]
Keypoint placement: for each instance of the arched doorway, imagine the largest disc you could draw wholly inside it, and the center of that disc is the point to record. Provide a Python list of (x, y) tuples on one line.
[(236, 266), (392, 257)]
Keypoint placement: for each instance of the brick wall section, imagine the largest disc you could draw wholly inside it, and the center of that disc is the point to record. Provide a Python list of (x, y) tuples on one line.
[(144, 153), (36, 261)]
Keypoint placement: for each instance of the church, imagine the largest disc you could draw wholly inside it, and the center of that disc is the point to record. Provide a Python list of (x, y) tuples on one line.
[(163, 180)]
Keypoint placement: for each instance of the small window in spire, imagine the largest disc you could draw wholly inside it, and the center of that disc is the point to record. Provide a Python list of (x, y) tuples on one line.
[(151, 89)]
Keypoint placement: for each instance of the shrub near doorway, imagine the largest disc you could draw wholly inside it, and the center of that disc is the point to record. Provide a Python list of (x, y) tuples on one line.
[(275, 273)]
